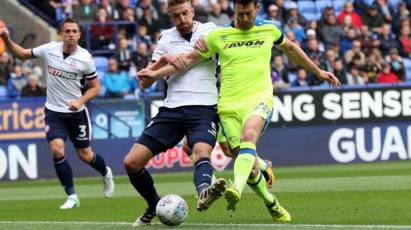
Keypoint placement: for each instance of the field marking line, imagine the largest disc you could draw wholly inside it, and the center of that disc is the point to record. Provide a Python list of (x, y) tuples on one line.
[(215, 225)]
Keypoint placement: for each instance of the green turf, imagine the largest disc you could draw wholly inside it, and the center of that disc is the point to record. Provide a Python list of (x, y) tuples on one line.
[(376, 195)]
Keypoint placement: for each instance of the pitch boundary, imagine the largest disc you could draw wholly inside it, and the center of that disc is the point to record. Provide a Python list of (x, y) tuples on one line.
[(351, 226)]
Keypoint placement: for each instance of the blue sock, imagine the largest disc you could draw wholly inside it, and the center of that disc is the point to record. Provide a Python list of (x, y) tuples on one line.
[(98, 164), (203, 173), (144, 184), (64, 174)]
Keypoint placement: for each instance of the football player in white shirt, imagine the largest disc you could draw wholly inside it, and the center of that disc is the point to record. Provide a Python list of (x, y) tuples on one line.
[(68, 66), (189, 110)]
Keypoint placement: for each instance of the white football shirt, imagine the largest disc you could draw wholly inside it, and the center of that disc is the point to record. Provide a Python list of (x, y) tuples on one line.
[(196, 86), (64, 75)]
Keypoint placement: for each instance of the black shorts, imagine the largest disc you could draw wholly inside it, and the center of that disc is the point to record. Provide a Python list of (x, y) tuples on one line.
[(75, 125), (170, 125)]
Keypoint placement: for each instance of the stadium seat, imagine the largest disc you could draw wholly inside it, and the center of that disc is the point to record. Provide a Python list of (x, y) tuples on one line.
[(101, 63), (2, 92), (338, 5), (306, 7), (321, 4), (311, 16), (407, 66)]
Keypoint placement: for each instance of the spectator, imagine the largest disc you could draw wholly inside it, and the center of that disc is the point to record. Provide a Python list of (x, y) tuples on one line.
[(102, 34), (16, 82), (402, 13), (85, 11), (108, 7), (163, 16), (347, 40), (386, 75), (279, 73), (349, 10), (130, 17), (396, 63), (373, 20), (226, 9), (405, 42), (354, 77), (153, 25), (140, 58), (274, 16), (116, 81), (32, 88), (339, 71), (385, 9), (142, 35), (331, 32), (120, 8), (301, 78), (327, 12), (123, 55), (293, 14), (371, 69), (387, 40), (368, 40), (355, 50), (200, 11), (297, 29), (146, 5), (217, 16), (6, 67), (2, 45), (330, 58)]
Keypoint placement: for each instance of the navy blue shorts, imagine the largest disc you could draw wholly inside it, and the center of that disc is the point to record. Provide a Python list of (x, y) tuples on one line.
[(170, 125), (75, 125)]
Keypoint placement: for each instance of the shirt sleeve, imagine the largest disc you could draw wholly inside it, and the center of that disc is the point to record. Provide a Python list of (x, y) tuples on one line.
[(211, 41), (279, 37), (40, 51), (90, 71), (160, 50)]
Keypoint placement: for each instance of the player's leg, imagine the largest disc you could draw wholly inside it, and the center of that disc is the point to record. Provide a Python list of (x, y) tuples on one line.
[(164, 132), (201, 123), (134, 163), (80, 135), (56, 134)]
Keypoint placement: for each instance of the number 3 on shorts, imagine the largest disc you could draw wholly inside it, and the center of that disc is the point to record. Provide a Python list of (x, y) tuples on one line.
[(82, 130)]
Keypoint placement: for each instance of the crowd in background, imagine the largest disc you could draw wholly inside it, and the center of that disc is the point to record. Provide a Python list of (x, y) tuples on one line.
[(363, 42)]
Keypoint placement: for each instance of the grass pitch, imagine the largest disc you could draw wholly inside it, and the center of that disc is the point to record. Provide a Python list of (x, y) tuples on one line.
[(352, 196)]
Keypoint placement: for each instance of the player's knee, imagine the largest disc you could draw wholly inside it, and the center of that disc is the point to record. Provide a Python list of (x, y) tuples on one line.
[(249, 135), (131, 165), (86, 155), (198, 155), (57, 151), (254, 172)]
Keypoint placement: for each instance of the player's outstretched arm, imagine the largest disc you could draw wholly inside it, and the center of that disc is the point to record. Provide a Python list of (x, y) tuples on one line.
[(17, 50), (296, 54), (189, 59)]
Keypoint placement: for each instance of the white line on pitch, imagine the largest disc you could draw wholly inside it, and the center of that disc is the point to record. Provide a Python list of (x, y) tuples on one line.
[(215, 225)]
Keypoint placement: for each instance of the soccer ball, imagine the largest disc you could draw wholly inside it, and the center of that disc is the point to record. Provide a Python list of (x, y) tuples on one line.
[(172, 210)]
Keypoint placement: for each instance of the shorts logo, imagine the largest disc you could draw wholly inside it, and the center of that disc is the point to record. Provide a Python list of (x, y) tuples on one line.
[(213, 130), (47, 128), (262, 107)]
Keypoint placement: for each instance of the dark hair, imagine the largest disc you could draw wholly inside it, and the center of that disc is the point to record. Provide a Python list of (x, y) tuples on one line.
[(245, 2), (69, 20), (176, 2)]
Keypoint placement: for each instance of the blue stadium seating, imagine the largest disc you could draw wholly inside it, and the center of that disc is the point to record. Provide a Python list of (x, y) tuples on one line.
[(2, 91), (101, 63), (306, 7), (407, 66), (338, 5)]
